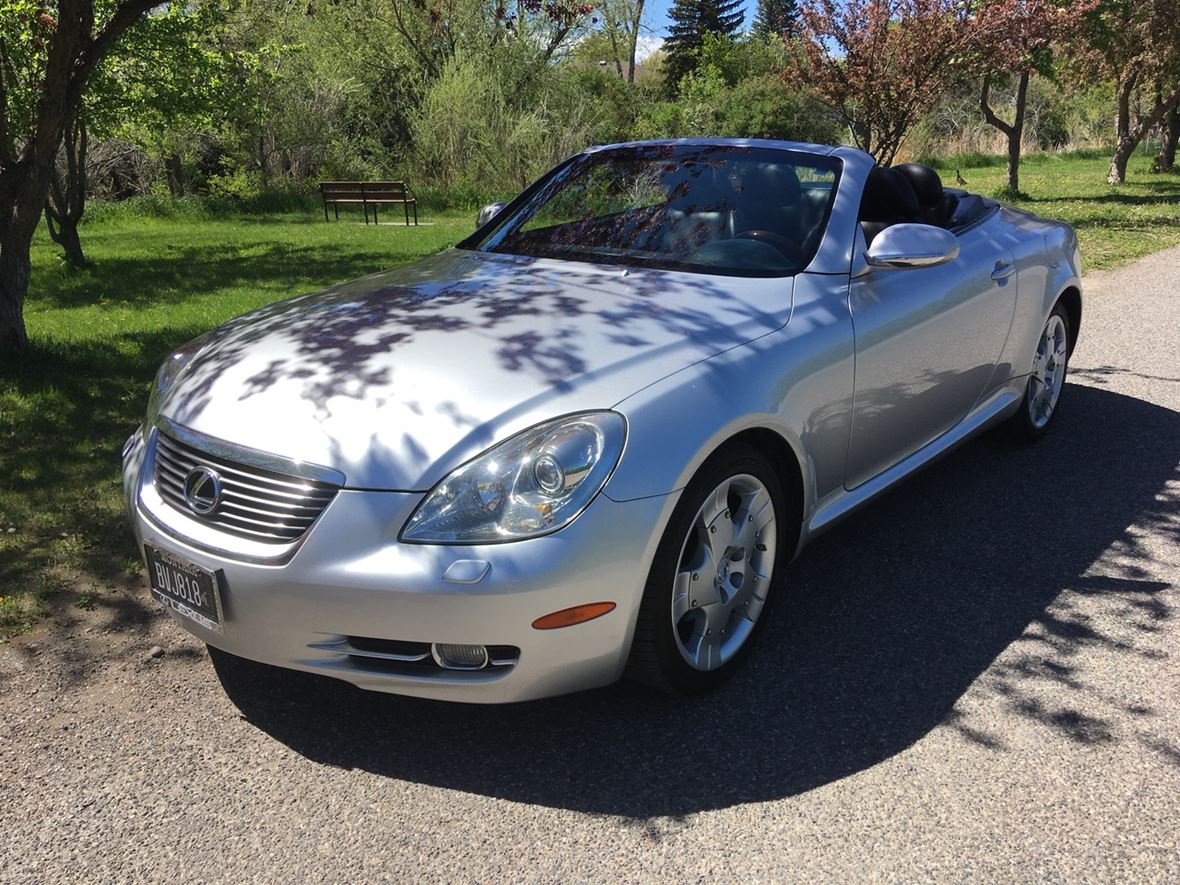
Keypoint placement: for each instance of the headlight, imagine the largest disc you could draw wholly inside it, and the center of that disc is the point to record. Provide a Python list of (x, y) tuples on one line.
[(532, 484), (172, 368)]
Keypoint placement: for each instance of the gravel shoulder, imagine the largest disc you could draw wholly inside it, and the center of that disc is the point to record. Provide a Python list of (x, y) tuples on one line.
[(976, 678)]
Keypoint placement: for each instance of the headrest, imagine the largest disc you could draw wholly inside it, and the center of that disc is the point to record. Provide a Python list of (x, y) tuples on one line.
[(925, 182), (775, 183), (888, 197), (696, 187)]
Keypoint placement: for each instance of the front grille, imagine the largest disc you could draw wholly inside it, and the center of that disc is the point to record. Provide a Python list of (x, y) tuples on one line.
[(262, 505)]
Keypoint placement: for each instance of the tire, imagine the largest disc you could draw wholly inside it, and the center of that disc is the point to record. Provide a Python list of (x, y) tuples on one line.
[(1046, 381), (710, 585)]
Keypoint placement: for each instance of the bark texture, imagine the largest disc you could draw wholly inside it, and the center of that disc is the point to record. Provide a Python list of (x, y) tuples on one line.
[(1165, 160), (1013, 131), (67, 194), (1132, 128)]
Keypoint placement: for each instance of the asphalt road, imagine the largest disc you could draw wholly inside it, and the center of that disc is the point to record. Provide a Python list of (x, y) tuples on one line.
[(978, 678)]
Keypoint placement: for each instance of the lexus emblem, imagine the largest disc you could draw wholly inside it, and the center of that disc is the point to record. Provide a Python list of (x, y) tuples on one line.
[(202, 490)]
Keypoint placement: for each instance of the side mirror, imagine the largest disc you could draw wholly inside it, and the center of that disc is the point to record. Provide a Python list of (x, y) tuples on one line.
[(912, 245), (487, 213)]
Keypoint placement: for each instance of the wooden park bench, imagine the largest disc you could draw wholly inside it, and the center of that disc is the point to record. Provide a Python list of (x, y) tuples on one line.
[(369, 193)]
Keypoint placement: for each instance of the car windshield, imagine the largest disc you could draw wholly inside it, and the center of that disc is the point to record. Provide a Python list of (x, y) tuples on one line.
[(732, 210)]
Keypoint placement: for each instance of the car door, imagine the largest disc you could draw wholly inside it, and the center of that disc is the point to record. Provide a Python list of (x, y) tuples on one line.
[(927, 340)]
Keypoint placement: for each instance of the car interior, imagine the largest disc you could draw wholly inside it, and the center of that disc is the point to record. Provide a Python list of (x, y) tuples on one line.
[(726, 214), (721, 214), (758, 202), (913, 193)]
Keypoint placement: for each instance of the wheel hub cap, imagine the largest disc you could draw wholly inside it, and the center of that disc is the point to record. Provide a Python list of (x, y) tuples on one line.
[(732, 540), (1048, 372)]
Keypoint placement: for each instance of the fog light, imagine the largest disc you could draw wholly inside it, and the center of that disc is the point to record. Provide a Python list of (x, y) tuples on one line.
[(459, 657)]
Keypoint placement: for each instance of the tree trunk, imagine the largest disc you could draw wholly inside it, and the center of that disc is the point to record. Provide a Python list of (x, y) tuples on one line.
[(1124, 146), (67, 193), (1118, 163), (1014, 131), (174, 174), (1165, 160), (611, 27), (1131, 135), (1016, 135), (14, 285), (63, 230), (635, 24)]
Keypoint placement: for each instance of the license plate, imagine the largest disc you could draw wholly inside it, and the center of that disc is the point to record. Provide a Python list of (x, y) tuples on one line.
[(185, 588)]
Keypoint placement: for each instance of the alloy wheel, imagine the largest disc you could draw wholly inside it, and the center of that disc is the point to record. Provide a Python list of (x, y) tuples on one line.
[(1048, 372), (725, 568)]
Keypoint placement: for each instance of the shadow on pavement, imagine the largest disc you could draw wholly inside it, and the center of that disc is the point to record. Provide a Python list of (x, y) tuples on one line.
[(885, 623)]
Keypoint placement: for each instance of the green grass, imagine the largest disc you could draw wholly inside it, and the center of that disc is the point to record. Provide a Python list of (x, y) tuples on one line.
[(1115, 224), (164, 272), (99, 333)]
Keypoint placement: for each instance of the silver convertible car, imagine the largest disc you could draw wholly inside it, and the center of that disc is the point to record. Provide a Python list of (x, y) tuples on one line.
[(587, 441)]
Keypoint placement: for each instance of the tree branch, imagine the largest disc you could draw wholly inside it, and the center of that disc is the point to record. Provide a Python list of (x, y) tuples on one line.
[(126, 15)]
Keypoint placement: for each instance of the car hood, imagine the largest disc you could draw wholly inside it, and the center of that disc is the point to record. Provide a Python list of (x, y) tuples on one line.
[(396, 378)]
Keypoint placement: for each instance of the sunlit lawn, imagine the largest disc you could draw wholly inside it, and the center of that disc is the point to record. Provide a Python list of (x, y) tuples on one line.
[(1115, 224), (157, 282)]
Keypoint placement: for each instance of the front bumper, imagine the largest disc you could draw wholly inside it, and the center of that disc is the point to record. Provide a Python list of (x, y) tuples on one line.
[(350, 577)]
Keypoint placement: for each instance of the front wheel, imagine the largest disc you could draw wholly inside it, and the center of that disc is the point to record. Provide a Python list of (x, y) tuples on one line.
[(1046, 382), (710, 582)]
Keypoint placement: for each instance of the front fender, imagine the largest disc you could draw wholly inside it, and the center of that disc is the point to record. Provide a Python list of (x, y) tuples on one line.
[(796, 382)]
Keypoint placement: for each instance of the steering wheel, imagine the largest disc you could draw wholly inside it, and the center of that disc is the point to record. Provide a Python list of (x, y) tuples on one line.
[(789, 249)]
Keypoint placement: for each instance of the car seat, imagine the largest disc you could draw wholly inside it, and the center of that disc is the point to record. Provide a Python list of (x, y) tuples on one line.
[(888, 199), (938, 207)]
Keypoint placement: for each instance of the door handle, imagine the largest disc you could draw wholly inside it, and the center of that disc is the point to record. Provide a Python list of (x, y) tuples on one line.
[(1003, 271)]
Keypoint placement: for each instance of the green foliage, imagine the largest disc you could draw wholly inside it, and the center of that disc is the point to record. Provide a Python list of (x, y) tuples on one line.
[(735, 92), (968, 160), (234, 99), (1059, 115), (493, 121), (169, 71), (235, 184), (774, 18), (692, 23)]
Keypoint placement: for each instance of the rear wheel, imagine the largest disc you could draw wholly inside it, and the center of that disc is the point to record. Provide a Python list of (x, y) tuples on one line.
[(709, 586), (1046, 381)]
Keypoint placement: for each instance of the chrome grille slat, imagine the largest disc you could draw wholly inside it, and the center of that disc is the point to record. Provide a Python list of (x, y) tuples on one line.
[(256, 503), (187, 456), (256, 493), (231, 505), (296, 486), (244, 502), (270, 533), (233, 500)]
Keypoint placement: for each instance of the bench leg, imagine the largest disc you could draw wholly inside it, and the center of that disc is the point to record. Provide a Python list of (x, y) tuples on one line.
[(406, 206), (325, 210)]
